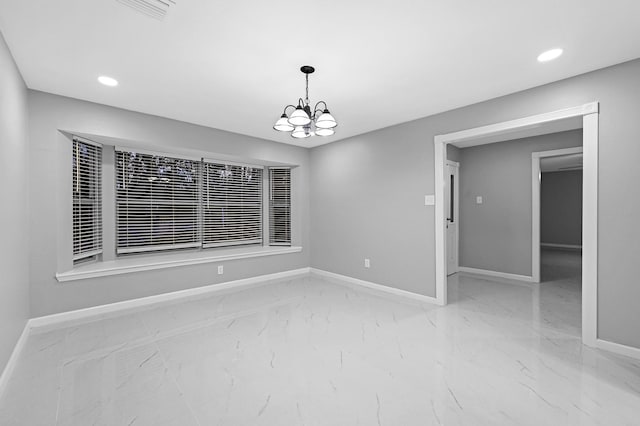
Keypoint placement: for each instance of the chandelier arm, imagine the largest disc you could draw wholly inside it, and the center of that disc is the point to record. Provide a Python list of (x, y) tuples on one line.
[(318, 103), (285, 108)]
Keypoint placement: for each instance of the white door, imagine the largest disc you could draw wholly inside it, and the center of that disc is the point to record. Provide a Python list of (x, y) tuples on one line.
[(451, 198)]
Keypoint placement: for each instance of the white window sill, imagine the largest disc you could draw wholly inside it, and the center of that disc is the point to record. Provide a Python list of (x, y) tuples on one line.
[(138, 264)]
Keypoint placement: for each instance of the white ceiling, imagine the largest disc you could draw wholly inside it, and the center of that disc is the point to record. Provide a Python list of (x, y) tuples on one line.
[(234, 65)]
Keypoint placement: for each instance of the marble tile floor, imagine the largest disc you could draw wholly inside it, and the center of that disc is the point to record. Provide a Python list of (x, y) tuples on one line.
[(561, 289), (313, 352)]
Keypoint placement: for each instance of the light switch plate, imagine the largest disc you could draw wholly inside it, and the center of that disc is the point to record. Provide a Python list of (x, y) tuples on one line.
[(429, 200), (478, 200)]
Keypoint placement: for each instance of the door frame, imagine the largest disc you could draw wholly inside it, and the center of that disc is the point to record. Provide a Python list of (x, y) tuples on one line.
[(590, 114), (535, 203), (456, 213)]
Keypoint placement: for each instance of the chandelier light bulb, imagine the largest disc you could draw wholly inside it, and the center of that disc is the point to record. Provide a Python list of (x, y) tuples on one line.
[(324, 132), (299, 117), (283, 125), (326, 120), (300, 132)]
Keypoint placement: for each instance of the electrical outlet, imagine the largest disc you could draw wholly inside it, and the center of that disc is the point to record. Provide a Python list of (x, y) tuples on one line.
[(220, 269), (367, 263)]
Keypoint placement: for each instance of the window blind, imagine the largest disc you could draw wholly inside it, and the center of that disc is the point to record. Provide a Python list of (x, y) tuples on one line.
[(157, 202), (87, 199), (231, 204), (280, 206)]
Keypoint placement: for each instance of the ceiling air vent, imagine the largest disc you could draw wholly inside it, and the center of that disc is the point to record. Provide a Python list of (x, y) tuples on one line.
[(156, 9)]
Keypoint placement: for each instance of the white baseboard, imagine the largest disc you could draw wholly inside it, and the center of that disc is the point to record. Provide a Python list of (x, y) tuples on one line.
[(113, 308), (619, 349), (379, 288), (13, 359), (562, 246), (497, 274)]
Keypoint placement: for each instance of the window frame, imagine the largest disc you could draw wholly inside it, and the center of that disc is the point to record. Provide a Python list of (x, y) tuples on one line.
[(171, 203), (259, 239), (264, 240), (109, 262), (273, 240), (96, 182)]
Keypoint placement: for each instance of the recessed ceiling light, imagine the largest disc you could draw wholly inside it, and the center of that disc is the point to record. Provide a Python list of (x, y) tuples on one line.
[(108, 81), (549, 55)]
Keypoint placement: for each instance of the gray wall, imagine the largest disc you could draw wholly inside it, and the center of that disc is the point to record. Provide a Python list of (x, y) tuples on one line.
[(50, 199), (561, 208), (368, 193), (14, 227), (453, 153), (496, 235)]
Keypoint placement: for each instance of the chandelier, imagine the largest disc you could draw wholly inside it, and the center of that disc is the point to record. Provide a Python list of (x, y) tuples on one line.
[(303, 122)]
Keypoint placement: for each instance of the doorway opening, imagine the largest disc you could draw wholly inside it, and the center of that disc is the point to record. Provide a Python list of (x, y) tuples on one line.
[(554, 223), (587, 116), (558, 202)]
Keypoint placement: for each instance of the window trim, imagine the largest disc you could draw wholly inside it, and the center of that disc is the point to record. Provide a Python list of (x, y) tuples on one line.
[(126, 265), (190, 157)]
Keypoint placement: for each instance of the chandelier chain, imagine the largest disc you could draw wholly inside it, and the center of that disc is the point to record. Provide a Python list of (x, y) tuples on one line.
[(307, 89)]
